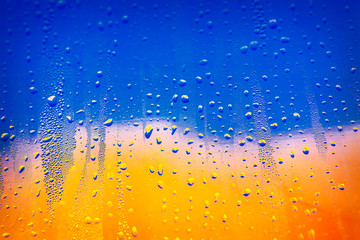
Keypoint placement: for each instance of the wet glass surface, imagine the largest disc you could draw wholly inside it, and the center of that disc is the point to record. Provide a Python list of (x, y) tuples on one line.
[(179, 119)]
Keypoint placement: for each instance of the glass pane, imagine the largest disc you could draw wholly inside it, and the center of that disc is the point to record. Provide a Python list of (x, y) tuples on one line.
[(179, 119)]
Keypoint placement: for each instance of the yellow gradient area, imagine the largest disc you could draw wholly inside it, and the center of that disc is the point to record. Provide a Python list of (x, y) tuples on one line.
[(142, 189)]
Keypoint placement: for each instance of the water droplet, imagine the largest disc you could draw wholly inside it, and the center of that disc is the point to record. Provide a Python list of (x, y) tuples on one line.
[(203, 62), (190, 181), (108, 122), (262, 143), (185, 98), (296, 116), (148, 131), (134, 231), (21, 168), (88, 220), (6, 235), (246, 192), (33, 90), (272, 23), (125, 19), (173, 129), (306, 150), (4, 137), (52, 101), (160, 184), (248, 115), (182, 82)]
